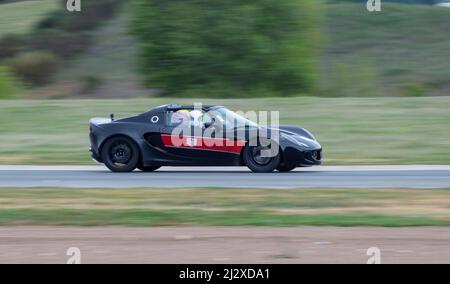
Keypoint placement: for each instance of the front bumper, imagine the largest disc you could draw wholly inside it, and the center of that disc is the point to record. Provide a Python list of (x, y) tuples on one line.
[(312, 158), (95, 156), (302, 158)]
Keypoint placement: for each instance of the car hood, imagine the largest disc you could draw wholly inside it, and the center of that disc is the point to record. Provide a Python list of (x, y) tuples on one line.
[(298, 136)]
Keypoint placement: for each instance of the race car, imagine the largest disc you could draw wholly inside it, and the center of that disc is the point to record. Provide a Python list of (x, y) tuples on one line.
[(180, 135)]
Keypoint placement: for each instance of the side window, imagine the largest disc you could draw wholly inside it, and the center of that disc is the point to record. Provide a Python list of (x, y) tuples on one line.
[(188, 118)]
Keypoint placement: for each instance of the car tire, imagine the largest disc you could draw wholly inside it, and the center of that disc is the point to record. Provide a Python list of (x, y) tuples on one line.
[(120, 154), (149, 168), (285, 169), (269, 165)]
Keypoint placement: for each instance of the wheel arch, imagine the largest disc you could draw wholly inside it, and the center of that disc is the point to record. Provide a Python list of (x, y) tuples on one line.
[(280, 151)]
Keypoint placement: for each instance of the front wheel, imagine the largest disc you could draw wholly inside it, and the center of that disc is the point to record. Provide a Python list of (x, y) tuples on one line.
[(120, 154), (256, 161)]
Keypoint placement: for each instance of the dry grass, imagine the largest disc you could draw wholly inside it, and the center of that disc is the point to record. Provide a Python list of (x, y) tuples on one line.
[(235, 205)]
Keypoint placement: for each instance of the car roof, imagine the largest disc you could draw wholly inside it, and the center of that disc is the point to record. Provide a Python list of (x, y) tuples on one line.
[(175, 107)]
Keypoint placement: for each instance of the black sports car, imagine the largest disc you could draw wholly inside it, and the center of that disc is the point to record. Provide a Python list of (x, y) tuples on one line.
[(176, 135)]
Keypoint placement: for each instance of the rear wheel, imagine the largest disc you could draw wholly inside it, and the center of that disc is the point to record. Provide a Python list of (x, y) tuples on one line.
[(257, 162), (120, 154), (148, 169), (281, 168)]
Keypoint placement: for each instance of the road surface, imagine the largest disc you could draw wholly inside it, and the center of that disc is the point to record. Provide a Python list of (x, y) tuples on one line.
[(224, 245), (240, 177)]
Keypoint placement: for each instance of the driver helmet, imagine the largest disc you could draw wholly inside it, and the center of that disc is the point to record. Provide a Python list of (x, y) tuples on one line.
[(181, 117)]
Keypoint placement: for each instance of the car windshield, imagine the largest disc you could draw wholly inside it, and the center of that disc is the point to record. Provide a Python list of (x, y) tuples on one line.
[(230, 119)]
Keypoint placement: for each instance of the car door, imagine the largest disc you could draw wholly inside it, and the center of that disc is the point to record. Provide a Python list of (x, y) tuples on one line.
[(187, 139)]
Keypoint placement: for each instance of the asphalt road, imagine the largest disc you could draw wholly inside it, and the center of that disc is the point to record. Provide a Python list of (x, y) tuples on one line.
[(317, 177), (223, 245)]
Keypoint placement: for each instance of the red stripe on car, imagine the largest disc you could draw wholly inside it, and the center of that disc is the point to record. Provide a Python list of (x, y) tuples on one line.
[(203, 143)]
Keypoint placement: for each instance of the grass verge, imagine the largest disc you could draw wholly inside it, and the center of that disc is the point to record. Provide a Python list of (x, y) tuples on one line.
[(225, 207), (351, 130)]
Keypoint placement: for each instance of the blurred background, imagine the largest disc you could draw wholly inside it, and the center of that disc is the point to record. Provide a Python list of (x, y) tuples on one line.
[(372, 86), (121, 49)]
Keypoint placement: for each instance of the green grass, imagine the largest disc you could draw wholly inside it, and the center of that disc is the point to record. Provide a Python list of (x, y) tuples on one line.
[(352, 130), (225, 207), (20, 17), (148, 218)]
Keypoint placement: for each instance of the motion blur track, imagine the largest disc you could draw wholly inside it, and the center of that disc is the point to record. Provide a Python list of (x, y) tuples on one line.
[(421, 177)]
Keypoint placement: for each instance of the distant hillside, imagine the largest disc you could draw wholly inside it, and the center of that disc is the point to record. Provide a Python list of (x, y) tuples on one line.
[(401, 51), (19, 17)]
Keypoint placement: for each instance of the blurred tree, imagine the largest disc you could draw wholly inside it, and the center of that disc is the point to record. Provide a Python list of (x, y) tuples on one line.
[(228, 48), (35, 67)]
